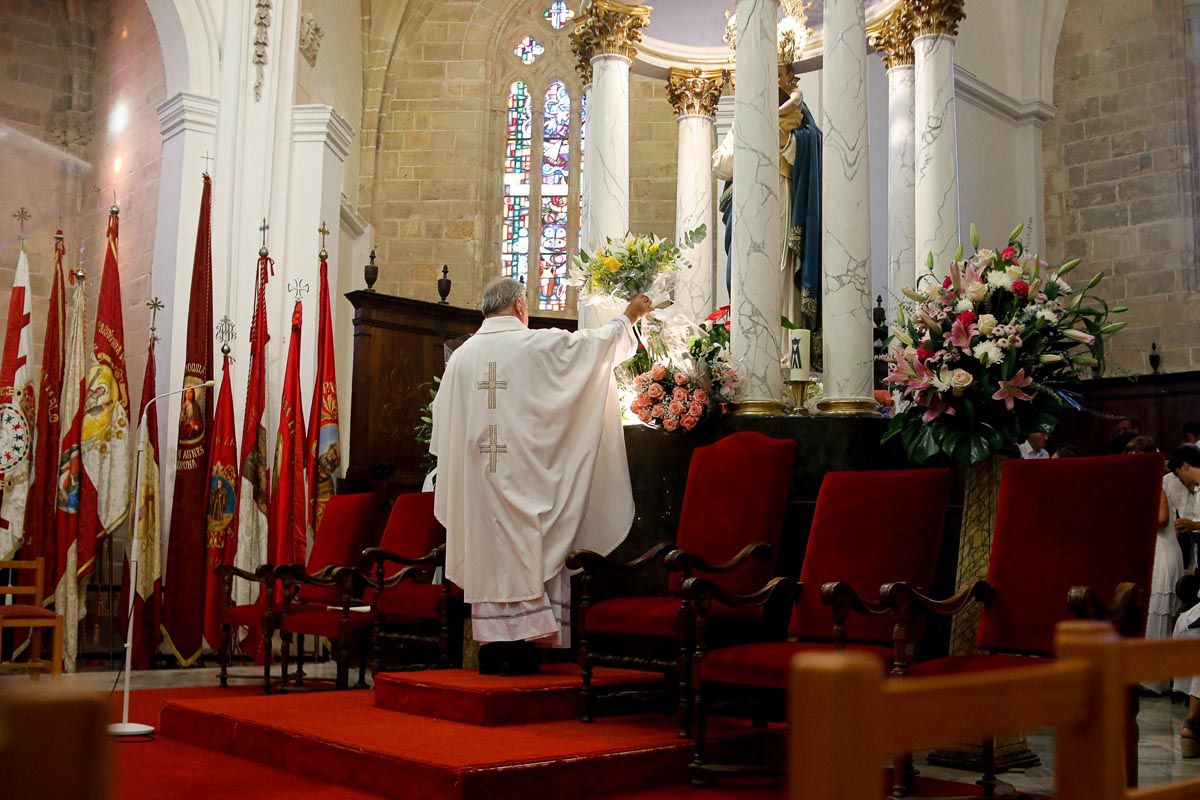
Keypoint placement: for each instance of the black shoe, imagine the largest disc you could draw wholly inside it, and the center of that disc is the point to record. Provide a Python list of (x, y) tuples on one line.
[(509, 658)]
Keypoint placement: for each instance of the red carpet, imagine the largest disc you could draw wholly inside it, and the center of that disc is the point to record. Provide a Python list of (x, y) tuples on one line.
[(466, 696)]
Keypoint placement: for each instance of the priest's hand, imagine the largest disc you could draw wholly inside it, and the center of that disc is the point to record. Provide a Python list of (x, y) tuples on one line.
[(638, 307)]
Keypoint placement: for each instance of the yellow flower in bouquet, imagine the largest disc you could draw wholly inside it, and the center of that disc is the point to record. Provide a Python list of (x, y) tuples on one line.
[(630, 265), (612, 264)]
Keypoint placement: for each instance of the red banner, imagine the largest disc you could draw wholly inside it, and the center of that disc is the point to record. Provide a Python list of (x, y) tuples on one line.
[(324, 456), (288, 540), (147, 522), (104, 504), (222, 509), (39, 508), (254, 488), (16, 413), (183, 597)]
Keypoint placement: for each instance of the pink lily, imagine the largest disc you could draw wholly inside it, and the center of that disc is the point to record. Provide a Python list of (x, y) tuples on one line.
[(1011, 390), (937, 407), (960, 335), (922, 379), (902, 370)]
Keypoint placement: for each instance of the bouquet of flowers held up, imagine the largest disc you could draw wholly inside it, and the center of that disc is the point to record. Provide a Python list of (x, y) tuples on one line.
[(631, 265), (992, 353)]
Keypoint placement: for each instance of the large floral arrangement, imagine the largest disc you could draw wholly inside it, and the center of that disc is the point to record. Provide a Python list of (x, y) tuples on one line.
[(631, 265), (992, 353), (669, 399)]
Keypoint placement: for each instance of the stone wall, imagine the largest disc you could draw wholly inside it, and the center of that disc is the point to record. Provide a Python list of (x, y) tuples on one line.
[(79, 84), (431, 163), (1118, 183)]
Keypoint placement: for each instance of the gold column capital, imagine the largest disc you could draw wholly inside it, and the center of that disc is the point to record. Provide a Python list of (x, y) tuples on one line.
[(937, 17), (607, 28), (894, 38), (695, 91)]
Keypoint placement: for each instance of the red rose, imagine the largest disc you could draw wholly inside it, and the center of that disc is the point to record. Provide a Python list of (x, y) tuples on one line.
[(1021, 288), (925, 352), (1009, 253), (968, 318)]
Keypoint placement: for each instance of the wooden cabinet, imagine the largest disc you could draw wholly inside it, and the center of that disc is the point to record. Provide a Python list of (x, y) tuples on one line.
[(1162, 403), (399, 346)]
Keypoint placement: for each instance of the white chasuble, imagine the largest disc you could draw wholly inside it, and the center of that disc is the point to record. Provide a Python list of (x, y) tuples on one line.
[(531, 458)]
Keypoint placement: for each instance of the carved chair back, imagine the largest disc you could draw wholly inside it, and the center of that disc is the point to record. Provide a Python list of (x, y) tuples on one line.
[(349, 525), (870, 528)]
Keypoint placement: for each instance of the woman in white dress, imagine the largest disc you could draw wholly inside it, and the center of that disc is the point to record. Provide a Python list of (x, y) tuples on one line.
[(1179, 512)]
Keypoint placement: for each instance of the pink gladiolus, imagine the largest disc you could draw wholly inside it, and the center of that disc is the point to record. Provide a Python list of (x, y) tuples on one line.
[(1010, 391), (681, 379), (960, 334), (680, 394), (670, 424), (689, 422), (676, 408), (658, 372), (695, 410), (655, 390)]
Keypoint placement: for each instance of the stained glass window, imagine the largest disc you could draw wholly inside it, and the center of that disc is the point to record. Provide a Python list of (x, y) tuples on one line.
[(558, 15), (555, 194), (514, 247), (528, 50)]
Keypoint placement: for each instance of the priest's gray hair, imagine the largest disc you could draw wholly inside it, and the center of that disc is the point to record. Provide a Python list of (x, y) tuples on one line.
[(500, 294)]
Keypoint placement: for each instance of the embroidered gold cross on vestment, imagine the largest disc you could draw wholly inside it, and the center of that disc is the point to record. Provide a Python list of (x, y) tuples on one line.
[(492, 449), (491, 385)]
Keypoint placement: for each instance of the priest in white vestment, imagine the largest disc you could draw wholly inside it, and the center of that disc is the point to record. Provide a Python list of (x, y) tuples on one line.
[(530, 463)]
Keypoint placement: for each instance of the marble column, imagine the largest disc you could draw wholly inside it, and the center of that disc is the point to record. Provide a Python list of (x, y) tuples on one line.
[(937, 209), (846, 212), (606, 39), (757, 244), (694, 94), (894, 42)]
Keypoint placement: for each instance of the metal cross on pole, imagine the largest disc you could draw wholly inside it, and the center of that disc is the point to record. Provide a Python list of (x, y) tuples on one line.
[(324, 231), (22, 216), (263, 230), (298, 287), (226, 332), (155, 305)]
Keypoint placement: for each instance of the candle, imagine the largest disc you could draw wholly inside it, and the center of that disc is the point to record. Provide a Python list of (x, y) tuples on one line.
[(798, 355)]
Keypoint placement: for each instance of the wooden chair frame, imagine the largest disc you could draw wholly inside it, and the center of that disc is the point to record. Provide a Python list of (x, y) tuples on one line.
[(449, 612), (837, 698), (349, 581), (264, 576), (36, 592)]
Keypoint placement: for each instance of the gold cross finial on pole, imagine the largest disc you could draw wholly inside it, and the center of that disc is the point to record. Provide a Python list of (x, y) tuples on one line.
[(22, 216), (155, 305), (79, 273), (324, 232), (206, 158)]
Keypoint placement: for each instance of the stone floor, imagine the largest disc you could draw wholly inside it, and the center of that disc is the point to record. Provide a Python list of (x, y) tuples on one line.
[(1158, 751)]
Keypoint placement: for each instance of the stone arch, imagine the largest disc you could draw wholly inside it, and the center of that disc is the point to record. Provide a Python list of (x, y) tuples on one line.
[(187, 35)]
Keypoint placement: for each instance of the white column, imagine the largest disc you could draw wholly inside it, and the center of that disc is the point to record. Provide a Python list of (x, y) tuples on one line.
[(901, 184), (608, 151), (321, 140), (189, 127), (694, 95), (693, 208), (585, 192), (757, 246), (937, 212), (846, 212)]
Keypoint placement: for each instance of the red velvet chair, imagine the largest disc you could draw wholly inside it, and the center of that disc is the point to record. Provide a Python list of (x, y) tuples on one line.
[(412, 611), (319, 600), (1070, 536), (729, 529), (869, 528)]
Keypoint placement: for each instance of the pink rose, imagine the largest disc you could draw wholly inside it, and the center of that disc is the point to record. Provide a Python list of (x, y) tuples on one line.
[(681, 379), (680, 394), (676, 408), (644, 416), (1009, 253), (689, 422), (655, 391), (700, 395), (657, 411), (695, 410), (670, 424), (658, 372), (644, 400)]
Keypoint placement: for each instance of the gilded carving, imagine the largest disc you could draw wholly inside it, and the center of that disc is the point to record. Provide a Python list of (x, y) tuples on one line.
[(609, 28), (695, 91), (894, 38), (937, 17)]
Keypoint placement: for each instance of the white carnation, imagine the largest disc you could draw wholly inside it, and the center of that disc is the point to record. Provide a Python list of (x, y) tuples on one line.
[(964, 304), (998, 279), (1048, 315)]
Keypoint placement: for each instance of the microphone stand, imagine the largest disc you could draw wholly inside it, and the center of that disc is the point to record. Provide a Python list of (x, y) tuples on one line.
[(125, 727)]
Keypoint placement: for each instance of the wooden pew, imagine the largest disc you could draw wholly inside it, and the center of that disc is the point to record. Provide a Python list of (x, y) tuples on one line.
[(847, 717)]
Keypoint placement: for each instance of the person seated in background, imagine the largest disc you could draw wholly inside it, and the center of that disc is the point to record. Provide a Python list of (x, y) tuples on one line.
[(1034, 446), (1191, 432), (1065, 451), (1127, 428), (1141, 444), (1180, 511)]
